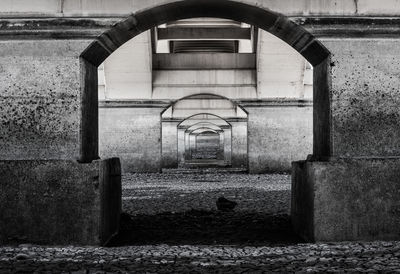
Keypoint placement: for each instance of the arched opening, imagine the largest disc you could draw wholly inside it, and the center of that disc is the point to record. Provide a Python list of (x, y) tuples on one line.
[(206, 146), (189, 127), (294, 35), (184, 114)]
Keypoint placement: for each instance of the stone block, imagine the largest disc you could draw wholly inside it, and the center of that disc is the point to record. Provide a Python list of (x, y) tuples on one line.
[(347, 199), (59, 201)]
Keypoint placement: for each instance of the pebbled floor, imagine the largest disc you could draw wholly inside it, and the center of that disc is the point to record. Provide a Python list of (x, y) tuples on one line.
[(171, 225)]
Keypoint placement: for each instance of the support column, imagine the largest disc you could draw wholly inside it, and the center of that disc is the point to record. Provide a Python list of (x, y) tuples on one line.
[(239, 144), (350, 188), (221, 151), (169, 144), (192, 145), (181, 146), (228, 146)]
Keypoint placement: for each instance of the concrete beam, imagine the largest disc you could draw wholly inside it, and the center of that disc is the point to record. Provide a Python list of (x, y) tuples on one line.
[(204, 61), (86, 27), (203, 33)]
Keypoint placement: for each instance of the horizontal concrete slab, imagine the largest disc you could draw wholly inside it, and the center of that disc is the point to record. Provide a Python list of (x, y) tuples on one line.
[(204, 61), (185, 33)]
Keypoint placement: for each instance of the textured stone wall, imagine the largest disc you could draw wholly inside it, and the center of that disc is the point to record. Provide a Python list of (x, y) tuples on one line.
[(277, 136), (133, 135), (40, 112)]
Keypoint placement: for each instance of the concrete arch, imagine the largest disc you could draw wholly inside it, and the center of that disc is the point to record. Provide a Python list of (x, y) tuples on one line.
[(204, 125), (204, 131), (277, 24), (211, 95), (192, 117)]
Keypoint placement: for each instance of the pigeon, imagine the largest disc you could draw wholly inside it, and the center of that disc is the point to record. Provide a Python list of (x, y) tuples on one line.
[(224, 204)]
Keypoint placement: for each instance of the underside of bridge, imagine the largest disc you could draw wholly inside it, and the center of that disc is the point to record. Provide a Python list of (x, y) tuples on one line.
[(90, 91)]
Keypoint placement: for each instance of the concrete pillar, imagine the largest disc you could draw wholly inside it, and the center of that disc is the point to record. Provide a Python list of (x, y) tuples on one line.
[(181, 146), (49, 120), (221, 145), (187, 146), (239, 144), (192, 145), (228, 146), (169, 144), (354, 194)]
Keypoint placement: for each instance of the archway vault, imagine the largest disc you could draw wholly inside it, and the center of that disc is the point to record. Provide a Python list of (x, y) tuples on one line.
[(272, 22)]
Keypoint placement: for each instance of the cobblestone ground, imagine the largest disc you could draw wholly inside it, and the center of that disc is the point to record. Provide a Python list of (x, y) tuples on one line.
[(180, 205), (375, 257)]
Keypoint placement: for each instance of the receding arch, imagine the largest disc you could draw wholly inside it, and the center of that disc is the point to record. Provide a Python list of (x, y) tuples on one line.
[(198, 119), (204, 125), (200, 116), (203, 131), (275, 23), (206, 96)]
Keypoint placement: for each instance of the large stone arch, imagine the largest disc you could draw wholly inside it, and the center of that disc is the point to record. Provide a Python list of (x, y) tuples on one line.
[(275, 23)]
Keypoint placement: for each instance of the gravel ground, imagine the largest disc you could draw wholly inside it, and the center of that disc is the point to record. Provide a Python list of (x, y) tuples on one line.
[(183, 190), (179, 207)]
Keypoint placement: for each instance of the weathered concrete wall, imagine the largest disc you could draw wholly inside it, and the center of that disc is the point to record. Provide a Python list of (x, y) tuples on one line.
[(277, 136), (59, 201), (352, 199), (365, 97), (133, 135), (40, 110)]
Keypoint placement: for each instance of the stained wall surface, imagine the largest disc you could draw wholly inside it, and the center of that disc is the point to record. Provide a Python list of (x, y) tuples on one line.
[(40, 93), (133, 135), (277, 136), (365, 97)]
